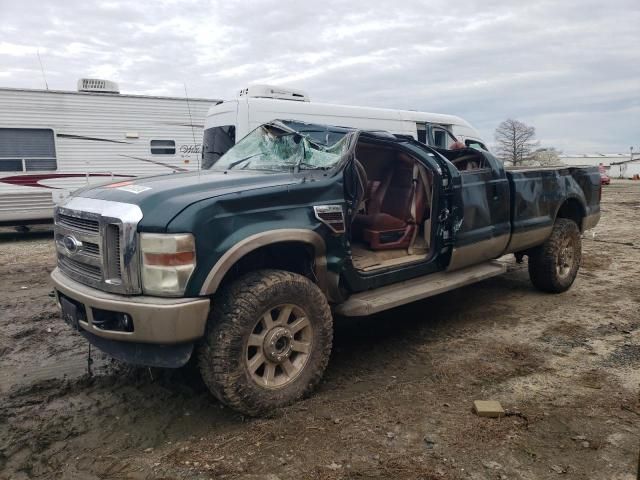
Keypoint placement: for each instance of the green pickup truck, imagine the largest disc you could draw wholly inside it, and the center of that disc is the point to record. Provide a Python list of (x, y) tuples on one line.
[(246, 264)]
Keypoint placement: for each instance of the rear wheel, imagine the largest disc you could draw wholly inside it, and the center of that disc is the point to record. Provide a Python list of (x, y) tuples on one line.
[(553, 266), (267, 342)]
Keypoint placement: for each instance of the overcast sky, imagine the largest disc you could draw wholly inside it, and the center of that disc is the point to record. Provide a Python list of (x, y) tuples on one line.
[(570, 68)]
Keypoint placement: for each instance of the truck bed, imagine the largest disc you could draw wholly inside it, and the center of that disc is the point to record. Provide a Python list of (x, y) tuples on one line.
[(537, 195)]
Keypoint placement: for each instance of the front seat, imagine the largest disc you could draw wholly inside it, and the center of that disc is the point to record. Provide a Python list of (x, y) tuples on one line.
[(395, 208)]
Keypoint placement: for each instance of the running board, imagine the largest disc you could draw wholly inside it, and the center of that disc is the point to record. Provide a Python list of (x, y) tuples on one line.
[(384, 298)]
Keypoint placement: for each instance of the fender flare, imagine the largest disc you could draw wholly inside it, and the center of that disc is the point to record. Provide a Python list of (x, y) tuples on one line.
[(581, 203), (263, 239)]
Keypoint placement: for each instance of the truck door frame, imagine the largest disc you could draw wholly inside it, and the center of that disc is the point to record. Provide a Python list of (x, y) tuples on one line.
[(484, 228), (440, 229)]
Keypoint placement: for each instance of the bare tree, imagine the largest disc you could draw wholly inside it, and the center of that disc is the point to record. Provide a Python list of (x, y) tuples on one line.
[(514, 141)]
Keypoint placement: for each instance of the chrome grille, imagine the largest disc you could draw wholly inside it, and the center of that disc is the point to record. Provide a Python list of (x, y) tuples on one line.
[(77, 223), (91, 248), (89, 271), (112, 242), (97, 244)]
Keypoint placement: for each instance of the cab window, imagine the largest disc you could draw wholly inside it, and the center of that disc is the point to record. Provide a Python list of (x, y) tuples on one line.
[(475, 144), (439, 138), (421, 128), (216, 142), (442, 138)]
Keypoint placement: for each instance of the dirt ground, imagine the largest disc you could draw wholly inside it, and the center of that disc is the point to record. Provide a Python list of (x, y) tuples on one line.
[(396, 399)]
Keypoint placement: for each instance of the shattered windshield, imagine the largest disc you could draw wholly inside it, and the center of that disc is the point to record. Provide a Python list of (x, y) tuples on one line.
[(273, 147)]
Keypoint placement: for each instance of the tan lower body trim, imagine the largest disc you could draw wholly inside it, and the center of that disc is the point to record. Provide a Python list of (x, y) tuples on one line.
[(391, 296), (477, 252), (155, 320), (590, 221), (530, 238)]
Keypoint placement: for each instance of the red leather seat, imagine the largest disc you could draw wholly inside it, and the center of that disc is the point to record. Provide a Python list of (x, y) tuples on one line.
[(389, 221)]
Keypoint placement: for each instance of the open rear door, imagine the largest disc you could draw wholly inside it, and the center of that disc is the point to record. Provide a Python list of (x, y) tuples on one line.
[(447, 214)]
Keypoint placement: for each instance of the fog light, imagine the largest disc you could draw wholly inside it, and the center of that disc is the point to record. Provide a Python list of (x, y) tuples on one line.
[(127, 322), (113, 321)]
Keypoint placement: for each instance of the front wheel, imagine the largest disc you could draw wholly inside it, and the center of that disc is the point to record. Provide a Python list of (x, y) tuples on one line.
[(553, 266), (268, 341)]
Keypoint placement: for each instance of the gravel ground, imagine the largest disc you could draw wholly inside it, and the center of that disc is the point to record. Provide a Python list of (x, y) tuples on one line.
[(396, 400)]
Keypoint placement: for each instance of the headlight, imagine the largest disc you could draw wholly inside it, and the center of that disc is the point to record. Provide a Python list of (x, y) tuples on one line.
[(168, 260)]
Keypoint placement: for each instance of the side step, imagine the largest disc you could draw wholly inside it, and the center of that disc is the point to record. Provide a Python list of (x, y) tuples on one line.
[(384, 298)]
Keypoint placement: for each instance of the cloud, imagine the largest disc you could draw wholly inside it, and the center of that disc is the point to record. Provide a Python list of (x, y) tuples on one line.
[(571, 69)]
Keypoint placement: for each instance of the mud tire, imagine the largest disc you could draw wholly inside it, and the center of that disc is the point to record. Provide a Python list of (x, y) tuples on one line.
[(222, 353), (545, 270)]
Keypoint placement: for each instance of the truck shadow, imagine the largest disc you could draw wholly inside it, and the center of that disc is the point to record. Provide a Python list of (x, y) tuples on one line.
[(360, 342), (365, 343)]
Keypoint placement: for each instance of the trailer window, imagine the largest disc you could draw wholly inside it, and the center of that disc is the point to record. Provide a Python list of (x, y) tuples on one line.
[(27, 149), (10, 165), (163, 147), (216, 142)]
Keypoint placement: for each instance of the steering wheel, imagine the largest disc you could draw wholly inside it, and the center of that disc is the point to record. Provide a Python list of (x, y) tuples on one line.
[(363, 185)]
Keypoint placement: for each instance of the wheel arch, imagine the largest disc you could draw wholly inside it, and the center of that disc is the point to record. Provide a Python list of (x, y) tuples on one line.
[(574, 209), (264, 241)]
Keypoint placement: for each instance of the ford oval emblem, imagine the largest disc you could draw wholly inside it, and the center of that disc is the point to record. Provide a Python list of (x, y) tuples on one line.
[(71, 244)]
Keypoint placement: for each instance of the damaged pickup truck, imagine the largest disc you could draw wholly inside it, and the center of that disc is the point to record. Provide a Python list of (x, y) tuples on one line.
[(245, 265)]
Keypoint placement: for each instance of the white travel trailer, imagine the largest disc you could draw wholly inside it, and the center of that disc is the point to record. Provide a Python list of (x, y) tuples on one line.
[(231, 120), (53, 142)]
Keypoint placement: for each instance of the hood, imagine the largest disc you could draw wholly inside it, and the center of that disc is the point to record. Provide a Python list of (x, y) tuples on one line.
[(162, 197)]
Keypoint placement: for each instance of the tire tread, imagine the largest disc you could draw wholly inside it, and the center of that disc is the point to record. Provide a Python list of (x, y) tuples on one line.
[(234, 308), (542, 260)]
